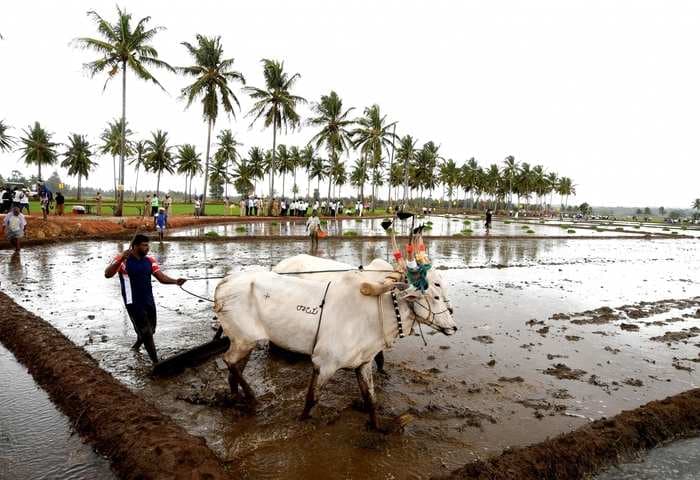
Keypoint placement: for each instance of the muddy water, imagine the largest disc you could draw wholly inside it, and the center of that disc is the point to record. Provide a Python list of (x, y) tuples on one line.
[(679, 460), (471, 395), (35, 438), (433, 225)]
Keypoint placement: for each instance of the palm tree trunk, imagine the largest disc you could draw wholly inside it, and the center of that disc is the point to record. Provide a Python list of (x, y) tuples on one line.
[(79, 186), (186, 178), (284, 176), (272, 166), (136, 185), (39, 164), (158, 184), (120, 193), (206, 170), (114, 174)]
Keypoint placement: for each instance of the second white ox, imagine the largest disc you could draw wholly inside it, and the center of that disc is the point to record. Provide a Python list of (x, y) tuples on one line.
[(341, 321)]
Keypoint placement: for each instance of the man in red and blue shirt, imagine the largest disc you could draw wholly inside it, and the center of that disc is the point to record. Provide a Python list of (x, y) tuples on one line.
[(135, 269)]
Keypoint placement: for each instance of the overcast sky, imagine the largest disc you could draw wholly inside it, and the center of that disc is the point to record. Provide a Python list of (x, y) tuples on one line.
[(606, 92)]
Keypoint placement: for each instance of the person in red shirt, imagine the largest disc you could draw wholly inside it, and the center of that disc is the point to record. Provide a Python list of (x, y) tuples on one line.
[(135, 269)]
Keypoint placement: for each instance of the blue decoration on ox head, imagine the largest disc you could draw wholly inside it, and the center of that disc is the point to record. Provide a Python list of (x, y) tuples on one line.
[(418, 277)]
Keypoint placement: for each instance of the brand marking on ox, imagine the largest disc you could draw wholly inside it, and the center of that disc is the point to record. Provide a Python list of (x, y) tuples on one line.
[(309, 310)]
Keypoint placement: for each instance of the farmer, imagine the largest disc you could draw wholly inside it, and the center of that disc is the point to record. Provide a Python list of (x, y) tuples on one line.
[(489, 218), (161, 222), (60, 203), (313, 225), (146, 205), (14, 227), (155, 204), (98, 201), (135, 268), (45, 203), (197, 206), (24, 202), (168, 205)]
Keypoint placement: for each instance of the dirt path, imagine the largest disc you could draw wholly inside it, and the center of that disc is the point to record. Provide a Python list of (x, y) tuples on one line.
[(589, 449), (139, 440)]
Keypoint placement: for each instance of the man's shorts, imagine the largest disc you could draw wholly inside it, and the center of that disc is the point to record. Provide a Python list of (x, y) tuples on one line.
[(154, 211), (143, 318)]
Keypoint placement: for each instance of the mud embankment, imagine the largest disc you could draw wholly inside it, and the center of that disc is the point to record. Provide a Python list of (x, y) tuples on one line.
[(590, 449), (139, 441)]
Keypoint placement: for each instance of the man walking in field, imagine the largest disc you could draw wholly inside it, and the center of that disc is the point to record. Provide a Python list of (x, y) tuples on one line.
[(14, 227), (135, 269)]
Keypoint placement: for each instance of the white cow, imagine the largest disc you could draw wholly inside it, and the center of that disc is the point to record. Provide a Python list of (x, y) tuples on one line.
[(341, 323), (317, 268)]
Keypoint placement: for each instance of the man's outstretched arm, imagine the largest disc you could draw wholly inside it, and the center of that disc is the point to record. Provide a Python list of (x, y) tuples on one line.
[(165, 279)]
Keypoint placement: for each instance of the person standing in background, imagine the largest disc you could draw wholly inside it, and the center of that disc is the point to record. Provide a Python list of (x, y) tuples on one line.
[(98, 204), (60, 202)]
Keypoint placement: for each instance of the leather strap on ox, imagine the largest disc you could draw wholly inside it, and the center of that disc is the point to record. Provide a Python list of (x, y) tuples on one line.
[(320, 317)]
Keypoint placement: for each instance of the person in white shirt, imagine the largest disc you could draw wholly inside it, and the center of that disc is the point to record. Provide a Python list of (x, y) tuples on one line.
[(197, 206), (313, 225)]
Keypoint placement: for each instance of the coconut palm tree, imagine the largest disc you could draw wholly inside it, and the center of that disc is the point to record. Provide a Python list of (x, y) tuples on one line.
[(359, 176), (37, 147), (189, 164), (524, 186), (406, 154), (333, 123), (138, 161), (285, 164), (77, 158), (373, 135), (159, 157), (552, 180), (6, 141), (256, 164), (228, 152), (339, 176), (212, 73), (122, 45), (276, 104), (318, 171), (510, 173), (696, 204), (449, 177), (306, 159), (565, 189), (218, 175), (115, 140), (296, 162), (243, 178)]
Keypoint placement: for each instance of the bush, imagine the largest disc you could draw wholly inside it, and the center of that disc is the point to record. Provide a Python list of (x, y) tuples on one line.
[(324, 222), (428, 222), (674, 233), (571, 231), (350, 233), (530, 231), (525, 227), (212, 233), (427, 227), (565, 227), (467, 231), (240, 229), (467, 222), (507, 222), (637, 226)]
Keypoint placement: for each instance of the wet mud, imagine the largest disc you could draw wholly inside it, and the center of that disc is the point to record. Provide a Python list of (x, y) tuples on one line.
[(462, 399), (588, 450), (138, 439)]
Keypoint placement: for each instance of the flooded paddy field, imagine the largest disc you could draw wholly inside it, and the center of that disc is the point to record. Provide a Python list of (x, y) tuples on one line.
[(440, 226), (553, 333), (36, 440)]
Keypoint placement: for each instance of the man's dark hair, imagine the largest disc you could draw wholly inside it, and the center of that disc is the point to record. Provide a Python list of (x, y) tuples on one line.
[(138, 239)]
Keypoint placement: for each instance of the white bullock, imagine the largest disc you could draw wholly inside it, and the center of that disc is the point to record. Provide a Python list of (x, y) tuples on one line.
[(317, 268), (341, 322)]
